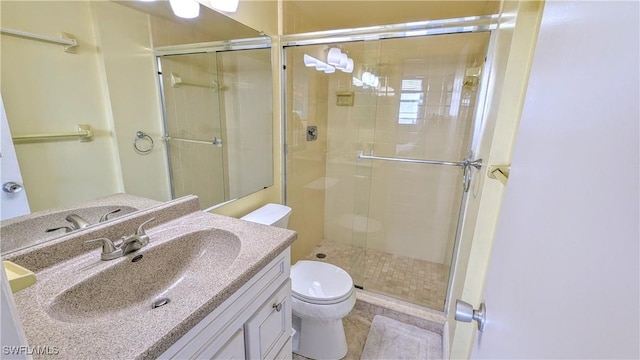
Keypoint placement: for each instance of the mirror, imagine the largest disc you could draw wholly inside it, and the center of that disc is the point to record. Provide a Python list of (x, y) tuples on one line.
[(168, 118)]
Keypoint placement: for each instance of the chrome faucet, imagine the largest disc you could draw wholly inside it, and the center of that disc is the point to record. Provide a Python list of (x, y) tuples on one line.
[(128, 245), (66, 229), (105, 217), (77, 221)]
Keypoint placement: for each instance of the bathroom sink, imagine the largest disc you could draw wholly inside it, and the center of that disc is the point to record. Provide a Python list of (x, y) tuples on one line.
[(30, 230), (164, 270)]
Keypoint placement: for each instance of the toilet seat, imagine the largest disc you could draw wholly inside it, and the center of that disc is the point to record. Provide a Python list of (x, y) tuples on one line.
[(320, 283)]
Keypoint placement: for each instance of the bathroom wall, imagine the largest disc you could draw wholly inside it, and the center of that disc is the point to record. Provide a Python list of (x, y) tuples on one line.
[(318, 15), (47, 90), (306, 160), (132, 101)]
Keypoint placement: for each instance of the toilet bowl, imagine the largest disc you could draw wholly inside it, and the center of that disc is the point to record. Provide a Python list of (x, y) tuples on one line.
[(321, 295)]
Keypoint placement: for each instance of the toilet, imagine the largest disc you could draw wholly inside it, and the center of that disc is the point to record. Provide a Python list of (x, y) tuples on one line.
[(321, 295)]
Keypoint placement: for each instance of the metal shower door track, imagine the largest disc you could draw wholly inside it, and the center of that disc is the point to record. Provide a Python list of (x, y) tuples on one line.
[(419, 28)]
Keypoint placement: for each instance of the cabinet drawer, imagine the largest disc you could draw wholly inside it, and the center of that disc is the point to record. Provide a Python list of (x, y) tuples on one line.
[(270, 327)]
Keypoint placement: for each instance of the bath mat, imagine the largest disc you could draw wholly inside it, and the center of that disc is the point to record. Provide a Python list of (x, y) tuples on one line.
[(392, 339)]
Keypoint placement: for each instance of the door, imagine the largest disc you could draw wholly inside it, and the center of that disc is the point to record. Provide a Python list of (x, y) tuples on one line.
[(563, 281), (13, 197)]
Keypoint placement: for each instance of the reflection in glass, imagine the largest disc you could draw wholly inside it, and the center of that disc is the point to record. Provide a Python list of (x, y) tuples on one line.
[(218, 123)]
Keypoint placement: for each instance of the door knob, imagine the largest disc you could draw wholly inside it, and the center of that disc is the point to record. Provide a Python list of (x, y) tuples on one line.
[(11, 187), (466, 313)]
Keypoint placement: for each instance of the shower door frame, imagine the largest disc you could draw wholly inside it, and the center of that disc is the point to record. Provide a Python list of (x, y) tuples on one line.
[(212, 47), (471, 24)]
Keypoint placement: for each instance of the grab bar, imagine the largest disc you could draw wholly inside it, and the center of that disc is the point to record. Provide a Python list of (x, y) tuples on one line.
[(466, 162), (216, 141), (67, 39), (176, 81), (83, 132)]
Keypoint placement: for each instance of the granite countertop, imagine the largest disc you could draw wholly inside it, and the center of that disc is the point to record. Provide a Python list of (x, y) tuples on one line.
[(118, 321), (29, 230)]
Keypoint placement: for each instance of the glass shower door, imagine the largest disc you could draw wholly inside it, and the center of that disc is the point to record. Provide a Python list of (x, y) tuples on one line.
[(193, 127), (427, 93), (323, 122)]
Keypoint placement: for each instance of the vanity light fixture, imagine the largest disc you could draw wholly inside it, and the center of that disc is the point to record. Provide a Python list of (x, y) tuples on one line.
[(187, 9), (340, 60), (309, 61)]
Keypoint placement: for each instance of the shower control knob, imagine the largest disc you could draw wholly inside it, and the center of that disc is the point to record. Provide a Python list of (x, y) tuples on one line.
[(466, 313), (11, 187)]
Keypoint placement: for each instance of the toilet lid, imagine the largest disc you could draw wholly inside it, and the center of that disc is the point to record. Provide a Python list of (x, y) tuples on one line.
[(319, 282)]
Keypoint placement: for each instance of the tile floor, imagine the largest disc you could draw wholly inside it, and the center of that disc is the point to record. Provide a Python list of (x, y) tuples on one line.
[(416, 281), (358, 323)]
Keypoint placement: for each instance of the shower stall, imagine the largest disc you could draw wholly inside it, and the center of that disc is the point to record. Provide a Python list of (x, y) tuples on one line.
[(378, 153)]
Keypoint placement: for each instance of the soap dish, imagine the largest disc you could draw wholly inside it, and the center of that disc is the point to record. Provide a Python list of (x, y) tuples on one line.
[(19, 277)]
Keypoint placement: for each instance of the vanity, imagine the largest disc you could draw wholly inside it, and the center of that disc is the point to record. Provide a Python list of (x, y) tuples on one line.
[(205, 286)]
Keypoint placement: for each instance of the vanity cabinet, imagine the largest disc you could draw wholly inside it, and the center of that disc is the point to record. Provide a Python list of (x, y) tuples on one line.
[(253, 323)]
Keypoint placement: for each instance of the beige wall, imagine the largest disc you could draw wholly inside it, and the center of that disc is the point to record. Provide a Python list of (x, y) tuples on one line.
[(128, 71), (317, 15), (261, 15), (513, 54), (307, 96), (47, 91)]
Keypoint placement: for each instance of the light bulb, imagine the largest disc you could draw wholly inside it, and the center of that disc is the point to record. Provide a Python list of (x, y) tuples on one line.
[(320, 65), (309, 61), (367, 77), (349, 67), (333, 57), (344, 59), (187, 9), (329, 70)]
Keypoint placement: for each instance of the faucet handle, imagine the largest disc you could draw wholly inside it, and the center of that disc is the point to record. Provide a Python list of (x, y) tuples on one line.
[(140, 231), (107, 245), (66, 229), (105, 217)]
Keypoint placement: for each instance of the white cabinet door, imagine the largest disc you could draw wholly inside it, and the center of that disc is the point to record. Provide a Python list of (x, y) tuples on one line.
[(270, 327), (563, 280), (12, 204), (232, 350)]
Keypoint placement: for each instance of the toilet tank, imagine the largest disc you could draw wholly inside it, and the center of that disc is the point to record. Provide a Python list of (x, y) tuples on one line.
[(271, 214)]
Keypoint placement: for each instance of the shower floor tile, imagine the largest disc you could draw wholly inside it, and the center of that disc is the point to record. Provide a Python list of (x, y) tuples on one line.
[(417, 281)]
